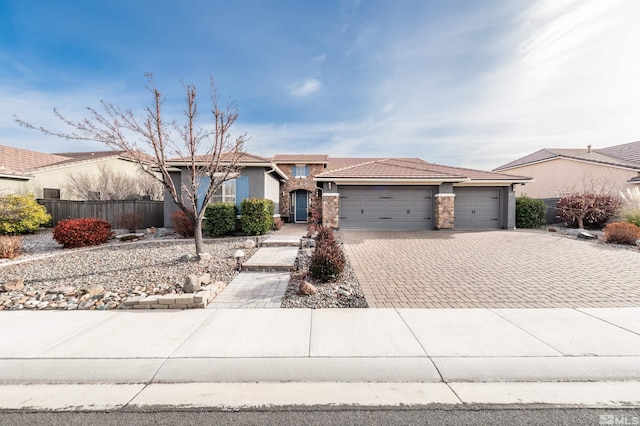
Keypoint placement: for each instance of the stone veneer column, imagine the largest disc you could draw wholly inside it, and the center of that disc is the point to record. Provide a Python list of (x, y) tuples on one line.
[(331, 210), (445, 215)]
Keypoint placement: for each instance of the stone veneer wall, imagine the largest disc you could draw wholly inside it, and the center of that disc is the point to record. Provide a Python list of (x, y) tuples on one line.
[(445, 215), (331, 210), (295, 183)]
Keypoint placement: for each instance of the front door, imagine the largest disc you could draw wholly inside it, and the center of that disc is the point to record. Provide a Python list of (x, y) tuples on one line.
[(301, 206)]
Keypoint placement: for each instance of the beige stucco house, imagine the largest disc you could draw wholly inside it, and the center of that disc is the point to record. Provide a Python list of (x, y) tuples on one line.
[(47, 175), (557, 172)]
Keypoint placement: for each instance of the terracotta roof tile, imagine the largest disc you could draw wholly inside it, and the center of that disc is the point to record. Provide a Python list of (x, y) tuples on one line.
[(406, 168)]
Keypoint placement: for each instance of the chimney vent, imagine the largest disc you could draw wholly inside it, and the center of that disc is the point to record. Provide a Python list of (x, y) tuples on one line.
[(588, 148)]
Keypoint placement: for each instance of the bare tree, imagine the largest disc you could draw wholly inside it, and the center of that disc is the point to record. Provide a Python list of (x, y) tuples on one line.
[(156, 145), (108, 184)]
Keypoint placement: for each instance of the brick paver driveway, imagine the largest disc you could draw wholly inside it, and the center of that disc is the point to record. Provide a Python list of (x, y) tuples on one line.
[(492, 269)]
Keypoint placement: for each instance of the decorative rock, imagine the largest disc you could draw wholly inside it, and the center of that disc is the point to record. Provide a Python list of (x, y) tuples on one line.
[(638, 242), (249, 244), (306, 289), (94, 290), (205, 278), (552, 229), (14, 284), (343, 291), (17, 307), (586, 236), (188, 258), (162, 232), (42, 305), (204, 257), (86, 305), (72, 307), (191, 284)]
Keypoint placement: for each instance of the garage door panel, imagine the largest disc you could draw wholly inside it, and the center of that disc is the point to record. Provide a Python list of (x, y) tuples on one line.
[(386, 208), (477, 208)]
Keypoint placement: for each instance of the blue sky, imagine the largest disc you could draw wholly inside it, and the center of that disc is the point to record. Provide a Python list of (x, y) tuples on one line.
[(469, 83)]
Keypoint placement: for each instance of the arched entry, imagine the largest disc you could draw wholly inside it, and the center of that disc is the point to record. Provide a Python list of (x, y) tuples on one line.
[(299, 203)]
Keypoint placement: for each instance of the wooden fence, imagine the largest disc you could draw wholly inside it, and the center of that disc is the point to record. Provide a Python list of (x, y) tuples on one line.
[(152, 212)]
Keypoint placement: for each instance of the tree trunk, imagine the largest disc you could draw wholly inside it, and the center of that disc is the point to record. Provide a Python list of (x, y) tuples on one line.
[(198, 236), (580, 222)]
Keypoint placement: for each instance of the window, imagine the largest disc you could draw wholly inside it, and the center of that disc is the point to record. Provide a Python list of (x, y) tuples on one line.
[(300, 170), (225, 193), (51, 194)]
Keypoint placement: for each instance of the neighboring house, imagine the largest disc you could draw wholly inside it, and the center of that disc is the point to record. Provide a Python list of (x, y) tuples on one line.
[(258, 178), (561, 171), (46, 175)]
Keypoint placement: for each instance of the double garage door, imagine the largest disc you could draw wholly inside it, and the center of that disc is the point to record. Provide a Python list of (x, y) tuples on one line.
[(386, 207)]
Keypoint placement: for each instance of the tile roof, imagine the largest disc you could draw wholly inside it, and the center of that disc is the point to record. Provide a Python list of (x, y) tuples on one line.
[(18, 161), (406, 168), (629, 152), (627, 155), (300, 158), (244, 158)]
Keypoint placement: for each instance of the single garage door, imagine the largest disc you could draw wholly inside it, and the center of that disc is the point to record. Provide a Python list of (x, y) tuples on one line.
[(477, 208), (386, 207)]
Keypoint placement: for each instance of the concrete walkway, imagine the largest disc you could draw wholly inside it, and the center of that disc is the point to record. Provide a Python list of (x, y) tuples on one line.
[(265, 276), (590, 356)]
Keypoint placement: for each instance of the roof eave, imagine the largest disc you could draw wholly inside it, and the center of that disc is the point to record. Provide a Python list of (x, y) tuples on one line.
[(389, 181), (16, 177)]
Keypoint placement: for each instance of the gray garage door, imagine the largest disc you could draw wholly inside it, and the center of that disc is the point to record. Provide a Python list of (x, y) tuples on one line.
[(385, 207), (477, 208)]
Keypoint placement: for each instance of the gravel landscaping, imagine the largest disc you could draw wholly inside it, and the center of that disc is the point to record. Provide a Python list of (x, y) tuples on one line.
[(344, 293), (102, 277)]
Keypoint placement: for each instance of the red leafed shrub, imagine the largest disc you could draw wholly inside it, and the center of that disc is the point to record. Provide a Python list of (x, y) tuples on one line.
[(328, 260), (592, 210), (621, 233), (10, 246), (130, 221), (73, 233), (183, 224)]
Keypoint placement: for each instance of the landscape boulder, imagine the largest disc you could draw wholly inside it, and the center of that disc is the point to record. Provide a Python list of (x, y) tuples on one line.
[(306, 289), (191, 284), (14, 284)]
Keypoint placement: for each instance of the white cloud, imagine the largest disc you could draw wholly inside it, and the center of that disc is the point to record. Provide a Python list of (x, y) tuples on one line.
[(305, 88)]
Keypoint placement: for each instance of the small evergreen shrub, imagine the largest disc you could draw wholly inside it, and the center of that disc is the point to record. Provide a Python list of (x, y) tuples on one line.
[(592, 210), (530, 212), (328, 259), (10, 246), (130, 221), (21, 214), (220, 219), (257, 216), (633, 217), (621, 233), (72, 233), (183, 224)]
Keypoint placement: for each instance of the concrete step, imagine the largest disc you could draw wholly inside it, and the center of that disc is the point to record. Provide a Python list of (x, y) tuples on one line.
[(282, 241), (272, 259)]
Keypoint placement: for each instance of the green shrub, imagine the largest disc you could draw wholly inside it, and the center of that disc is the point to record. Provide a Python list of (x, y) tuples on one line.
[(183, 224), (633, 217), (21, 214), (257, 215), (530, 212), (72, 233), (328, 259), (621, 233), (220, 219)]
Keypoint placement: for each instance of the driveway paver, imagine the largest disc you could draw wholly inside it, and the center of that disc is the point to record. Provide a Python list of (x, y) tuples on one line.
[(490, 269)]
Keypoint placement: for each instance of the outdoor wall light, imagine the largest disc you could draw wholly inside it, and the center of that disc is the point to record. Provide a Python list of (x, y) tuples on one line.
[(239, 254)]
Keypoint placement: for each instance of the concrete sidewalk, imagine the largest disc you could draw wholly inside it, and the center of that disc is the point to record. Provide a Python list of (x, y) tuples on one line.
[(448, 350)]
